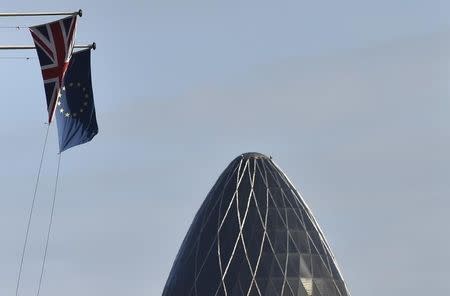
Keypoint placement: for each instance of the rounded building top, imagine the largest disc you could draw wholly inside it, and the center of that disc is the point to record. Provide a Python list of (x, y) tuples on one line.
[(253, 155), (254, 235)]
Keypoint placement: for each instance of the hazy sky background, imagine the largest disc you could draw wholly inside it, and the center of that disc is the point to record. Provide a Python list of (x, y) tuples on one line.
[(351, 98)]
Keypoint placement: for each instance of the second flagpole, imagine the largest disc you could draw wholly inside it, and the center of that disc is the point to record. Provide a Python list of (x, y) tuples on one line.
[(12, 14)]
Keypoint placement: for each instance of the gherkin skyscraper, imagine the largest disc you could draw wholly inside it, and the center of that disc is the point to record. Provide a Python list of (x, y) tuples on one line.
[(254, 235)]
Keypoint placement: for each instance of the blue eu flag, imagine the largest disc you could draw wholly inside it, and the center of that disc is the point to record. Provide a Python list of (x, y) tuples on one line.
[(75, 111)]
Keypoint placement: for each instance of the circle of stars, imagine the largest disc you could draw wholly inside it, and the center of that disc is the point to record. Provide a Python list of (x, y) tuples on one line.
[(85, 96)]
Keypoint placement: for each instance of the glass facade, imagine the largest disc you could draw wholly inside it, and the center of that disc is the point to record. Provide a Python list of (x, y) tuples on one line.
[(254, 235)]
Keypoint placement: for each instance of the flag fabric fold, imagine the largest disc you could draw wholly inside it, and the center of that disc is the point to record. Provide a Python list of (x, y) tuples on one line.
[(54, 45), (75, 110)]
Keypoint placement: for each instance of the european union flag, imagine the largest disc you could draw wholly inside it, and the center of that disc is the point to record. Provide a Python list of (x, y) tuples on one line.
[(75, 110)]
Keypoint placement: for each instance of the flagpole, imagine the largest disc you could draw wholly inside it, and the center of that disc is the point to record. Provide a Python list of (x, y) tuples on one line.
[(19, 47), (9, 14)]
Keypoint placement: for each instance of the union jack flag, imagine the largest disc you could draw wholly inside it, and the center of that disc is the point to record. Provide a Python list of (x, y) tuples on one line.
[(54, 45)]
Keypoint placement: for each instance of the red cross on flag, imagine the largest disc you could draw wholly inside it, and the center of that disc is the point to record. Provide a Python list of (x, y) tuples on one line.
[(54, 45)]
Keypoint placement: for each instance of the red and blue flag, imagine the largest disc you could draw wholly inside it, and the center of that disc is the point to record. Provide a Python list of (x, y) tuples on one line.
[(54, 45)]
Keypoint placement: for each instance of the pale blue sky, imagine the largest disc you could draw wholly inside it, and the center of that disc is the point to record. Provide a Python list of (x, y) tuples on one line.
[(350, 98)]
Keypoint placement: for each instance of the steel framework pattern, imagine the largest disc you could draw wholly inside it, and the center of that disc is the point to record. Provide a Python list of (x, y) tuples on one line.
[(254, 235)]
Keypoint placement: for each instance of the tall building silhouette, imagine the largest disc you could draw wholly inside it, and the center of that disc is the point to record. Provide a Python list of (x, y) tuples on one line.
[(254, 235)]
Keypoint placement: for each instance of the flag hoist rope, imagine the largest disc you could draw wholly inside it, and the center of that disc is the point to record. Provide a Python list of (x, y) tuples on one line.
[(18, 58), (49, 225), (14, 27), (31, 215), (31, 211)]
